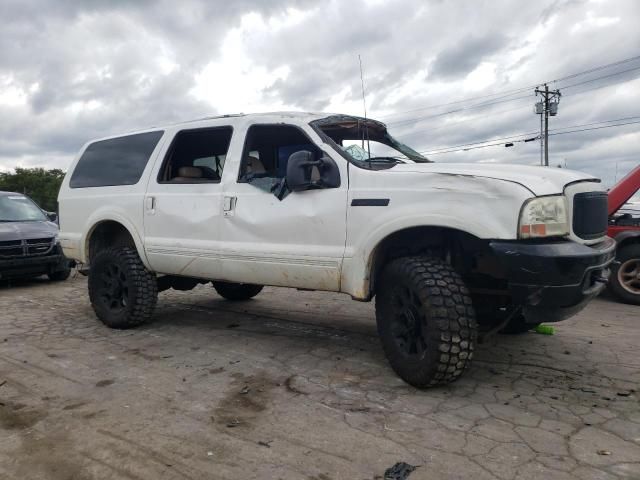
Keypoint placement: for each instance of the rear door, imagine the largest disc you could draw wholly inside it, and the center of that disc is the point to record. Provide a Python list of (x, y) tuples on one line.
[(183, 203)]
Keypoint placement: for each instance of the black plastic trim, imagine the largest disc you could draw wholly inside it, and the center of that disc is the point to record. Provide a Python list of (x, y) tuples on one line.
[(554, 279), (369, 202), (590, 218)]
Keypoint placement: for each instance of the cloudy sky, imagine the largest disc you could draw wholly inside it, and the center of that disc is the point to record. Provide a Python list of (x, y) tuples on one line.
[(75, 70)]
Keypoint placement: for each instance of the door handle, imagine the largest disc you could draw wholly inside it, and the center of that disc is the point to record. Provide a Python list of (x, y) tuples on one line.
[(229, 206), (150, 204)]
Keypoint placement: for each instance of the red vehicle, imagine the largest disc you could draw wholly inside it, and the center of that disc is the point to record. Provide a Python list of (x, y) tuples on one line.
[(624, 227)]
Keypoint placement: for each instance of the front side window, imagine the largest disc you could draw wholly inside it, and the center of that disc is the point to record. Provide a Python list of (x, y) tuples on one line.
[(18, 208), (196, 156), (267, 151), (117, 161)]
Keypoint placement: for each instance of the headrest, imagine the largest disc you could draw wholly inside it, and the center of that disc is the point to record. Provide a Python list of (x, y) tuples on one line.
[(189, 172)]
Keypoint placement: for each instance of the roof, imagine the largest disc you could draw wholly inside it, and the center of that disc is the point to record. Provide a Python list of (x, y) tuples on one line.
[(6, 194), (267, 117), (272, 116), (309, 116)]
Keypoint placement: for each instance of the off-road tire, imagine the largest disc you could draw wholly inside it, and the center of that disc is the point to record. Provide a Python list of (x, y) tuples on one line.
[(134, 303), (237, 292), (517, 325), (59, 275), (625, 254), (443, 330)]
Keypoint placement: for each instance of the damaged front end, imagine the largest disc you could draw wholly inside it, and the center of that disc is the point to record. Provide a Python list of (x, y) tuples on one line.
[(554, 280)]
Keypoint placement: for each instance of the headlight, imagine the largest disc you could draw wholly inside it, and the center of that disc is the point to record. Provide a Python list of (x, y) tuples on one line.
[(544, 217)]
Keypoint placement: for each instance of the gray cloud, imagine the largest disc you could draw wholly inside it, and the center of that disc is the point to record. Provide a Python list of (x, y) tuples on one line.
[(467, 54), (85, 69)]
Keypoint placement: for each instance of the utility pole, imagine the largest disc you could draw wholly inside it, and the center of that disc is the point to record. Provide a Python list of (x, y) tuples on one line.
[(548, 106), (546, 125)]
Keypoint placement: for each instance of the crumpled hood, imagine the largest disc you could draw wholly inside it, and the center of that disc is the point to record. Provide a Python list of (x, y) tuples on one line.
[(538, 180), (26, 230)]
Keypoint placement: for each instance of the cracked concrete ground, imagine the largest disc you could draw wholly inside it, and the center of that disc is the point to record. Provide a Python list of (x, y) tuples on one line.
[(293, 385)]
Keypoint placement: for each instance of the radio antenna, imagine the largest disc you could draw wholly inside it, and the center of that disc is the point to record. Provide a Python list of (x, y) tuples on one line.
[(364, 105)]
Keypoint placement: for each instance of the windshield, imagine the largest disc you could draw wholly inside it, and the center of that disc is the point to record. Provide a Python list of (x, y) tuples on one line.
[(18, 208), (367, 142)]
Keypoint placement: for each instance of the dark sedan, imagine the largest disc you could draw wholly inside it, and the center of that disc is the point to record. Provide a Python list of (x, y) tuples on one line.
[(29, 240)]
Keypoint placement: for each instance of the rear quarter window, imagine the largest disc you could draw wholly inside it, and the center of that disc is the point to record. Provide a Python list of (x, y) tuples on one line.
[(116, 161)]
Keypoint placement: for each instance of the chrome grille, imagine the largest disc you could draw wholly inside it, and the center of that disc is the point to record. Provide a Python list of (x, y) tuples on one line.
[(11, 248), (26, 248)]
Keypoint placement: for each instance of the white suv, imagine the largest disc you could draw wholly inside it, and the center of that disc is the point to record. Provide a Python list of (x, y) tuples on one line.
[(335, 203)]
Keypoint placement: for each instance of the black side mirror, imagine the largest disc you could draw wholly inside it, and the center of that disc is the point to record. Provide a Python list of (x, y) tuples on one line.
[(305, 173), (52, 216)]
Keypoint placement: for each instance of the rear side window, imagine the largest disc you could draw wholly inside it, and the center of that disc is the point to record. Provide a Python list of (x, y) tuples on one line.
[(117, 161), (196, 156)]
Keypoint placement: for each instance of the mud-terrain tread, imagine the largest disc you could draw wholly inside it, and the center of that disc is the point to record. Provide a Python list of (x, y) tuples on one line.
[(237, 292), (143, 282), (625, 253), (452, 330)]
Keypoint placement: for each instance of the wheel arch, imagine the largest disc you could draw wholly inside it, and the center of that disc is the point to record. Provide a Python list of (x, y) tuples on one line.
[(626, 241), (627, 238), (407, 240), (110, 231)]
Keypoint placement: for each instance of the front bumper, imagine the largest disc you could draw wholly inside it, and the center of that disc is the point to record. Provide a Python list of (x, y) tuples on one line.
[(34, 265), (554, 280)]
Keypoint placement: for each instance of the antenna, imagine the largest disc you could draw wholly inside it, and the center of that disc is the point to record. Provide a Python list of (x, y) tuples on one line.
[(364, 104), (364, 100)]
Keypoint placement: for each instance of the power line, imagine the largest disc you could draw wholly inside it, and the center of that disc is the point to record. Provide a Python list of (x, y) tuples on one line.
[(595, 69), (501, 144), (597, 87), (446, 125), (462, 109), (596, 128), (454, 148), (599, 78), (486, 104), (596, 123), (508, 93), (437, 149)]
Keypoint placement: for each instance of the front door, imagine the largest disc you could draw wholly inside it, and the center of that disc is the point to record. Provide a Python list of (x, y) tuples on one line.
[(293, 240), (183, 204)]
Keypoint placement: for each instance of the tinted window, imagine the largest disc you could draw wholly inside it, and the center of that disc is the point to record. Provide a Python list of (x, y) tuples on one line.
[(117, 161)]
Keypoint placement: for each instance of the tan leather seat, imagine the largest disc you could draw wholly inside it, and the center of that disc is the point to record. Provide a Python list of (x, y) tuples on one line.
[(254, 165), (189, 175)]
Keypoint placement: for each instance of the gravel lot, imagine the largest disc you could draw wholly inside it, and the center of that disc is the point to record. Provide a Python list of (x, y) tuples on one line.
[(294, 385)]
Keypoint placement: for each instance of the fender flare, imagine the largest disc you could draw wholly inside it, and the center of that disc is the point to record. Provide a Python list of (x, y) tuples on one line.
[(357, 269), (624, 238), (426, 221), (101, 216)]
